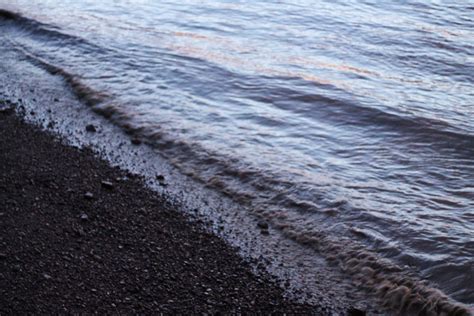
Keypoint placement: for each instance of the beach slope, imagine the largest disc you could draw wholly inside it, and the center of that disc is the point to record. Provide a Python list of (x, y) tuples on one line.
[(77, 235)]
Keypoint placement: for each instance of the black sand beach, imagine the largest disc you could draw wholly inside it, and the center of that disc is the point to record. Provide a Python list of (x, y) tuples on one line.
[(80, 236)]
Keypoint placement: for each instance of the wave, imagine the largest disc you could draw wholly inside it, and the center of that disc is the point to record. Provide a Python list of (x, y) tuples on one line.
[(351, 112), (43, 30), (310, 104)]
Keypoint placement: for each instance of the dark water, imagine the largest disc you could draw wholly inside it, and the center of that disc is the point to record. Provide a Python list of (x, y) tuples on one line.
[(350, 122)]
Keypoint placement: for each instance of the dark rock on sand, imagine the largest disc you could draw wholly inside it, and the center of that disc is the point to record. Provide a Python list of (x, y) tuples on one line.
[(355, 312), (136, 141), (6, 107), (6, 110), (262, 225), (91, 128)]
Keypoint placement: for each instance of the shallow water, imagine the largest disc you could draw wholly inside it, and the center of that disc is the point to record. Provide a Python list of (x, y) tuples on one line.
[(352, 121)]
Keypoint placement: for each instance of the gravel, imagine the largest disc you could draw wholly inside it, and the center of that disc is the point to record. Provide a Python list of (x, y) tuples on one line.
[(71, 241)]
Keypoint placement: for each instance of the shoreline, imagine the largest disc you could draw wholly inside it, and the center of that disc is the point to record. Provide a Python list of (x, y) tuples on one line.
[(81, 236)]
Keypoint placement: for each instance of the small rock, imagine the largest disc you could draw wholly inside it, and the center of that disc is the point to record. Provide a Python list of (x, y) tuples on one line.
[(107, 184), (355, 312), (6, 110), (160, 177), (56, 100), (84, 217), (89, 196), (97, 257), (163, 184), (91, 128), (262, 225), (136, 141), (47, 276)]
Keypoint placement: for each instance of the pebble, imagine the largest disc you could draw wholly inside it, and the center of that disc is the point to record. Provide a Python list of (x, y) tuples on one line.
[(262, 225), (91, 128), (107, 184), (136, 141), (89, 195), (355, 312)]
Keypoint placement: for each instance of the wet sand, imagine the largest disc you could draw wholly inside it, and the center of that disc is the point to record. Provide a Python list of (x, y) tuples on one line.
[(80, 236)]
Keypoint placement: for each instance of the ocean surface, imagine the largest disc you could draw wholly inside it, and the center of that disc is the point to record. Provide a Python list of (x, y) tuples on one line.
[(346, 124)]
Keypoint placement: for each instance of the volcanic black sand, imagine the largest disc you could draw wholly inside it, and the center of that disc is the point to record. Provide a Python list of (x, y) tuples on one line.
[(77, 235)]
